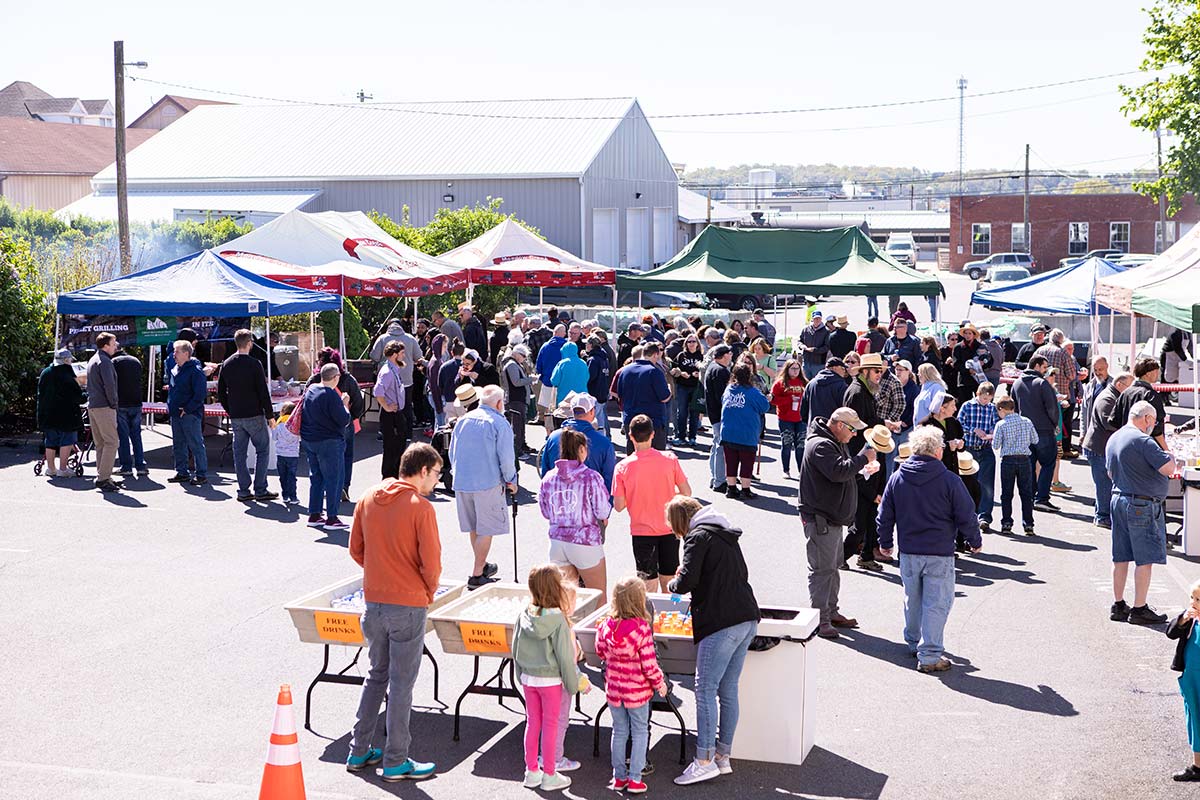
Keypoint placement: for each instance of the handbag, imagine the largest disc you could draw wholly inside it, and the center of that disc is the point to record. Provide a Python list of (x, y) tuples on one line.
[(293, 423)]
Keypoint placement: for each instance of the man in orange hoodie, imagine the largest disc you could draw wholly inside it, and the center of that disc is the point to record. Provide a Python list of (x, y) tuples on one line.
[(395, 540)]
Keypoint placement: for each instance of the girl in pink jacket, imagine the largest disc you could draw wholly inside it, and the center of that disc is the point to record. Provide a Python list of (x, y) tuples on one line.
[(625, 641)]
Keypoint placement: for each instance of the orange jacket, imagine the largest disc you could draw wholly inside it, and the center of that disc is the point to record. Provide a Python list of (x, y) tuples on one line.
[(395, 540)]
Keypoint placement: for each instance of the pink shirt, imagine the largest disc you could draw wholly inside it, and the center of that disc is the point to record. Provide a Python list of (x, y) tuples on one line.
[(647, 481)]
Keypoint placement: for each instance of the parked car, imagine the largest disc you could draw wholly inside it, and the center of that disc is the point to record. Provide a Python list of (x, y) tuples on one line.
[(903, 251), (1000, 276), (745, 302), (977, 269), (603, 296), (1106, 253), (1133, 259)]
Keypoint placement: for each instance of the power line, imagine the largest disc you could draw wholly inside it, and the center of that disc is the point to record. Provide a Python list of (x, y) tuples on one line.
[(384, 106)]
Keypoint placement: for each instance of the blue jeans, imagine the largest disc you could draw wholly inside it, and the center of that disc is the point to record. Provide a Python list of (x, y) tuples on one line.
[(1016, 471), (324, 476), (1103, 485), (348, 456), (129, 432), (719, 660), (246, 431), (928, 595), (811, 370), (395, 638), (872, 306), (187, 436), (287, 467), (986, 457), (602, 419), (1045, 453), (716, 458), (629, 722), (686, 421), (791, 439)]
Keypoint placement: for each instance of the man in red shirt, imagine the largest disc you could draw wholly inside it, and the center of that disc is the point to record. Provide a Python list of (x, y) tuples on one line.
[(644, 483)]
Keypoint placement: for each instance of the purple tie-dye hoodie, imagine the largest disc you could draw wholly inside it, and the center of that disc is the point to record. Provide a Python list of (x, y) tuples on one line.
[(574, 499)]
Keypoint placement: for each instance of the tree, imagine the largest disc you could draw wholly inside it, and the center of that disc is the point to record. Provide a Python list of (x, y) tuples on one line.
[(1093, 186), (25, 327), (1170, 101)]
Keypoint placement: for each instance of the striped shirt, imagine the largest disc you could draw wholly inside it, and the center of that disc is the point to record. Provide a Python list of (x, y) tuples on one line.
[(975, 414), (1015, 436)]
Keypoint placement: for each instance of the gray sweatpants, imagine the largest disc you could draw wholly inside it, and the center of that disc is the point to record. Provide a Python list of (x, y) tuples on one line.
[(824, 556), (395, 637)]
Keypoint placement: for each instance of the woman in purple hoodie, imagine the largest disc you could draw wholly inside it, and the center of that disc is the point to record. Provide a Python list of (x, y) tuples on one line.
[(573, 498)]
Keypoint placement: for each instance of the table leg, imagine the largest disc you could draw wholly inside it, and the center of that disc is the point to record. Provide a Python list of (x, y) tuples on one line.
[(463, 696), (433, 661)]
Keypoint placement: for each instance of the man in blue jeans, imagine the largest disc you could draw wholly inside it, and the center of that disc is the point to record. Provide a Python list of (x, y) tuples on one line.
[(323, 420), (1095, 442), (1037, 401), (928, 507), (716, 378), (129, 414), (185, 409), (242, 390), (978, 418)]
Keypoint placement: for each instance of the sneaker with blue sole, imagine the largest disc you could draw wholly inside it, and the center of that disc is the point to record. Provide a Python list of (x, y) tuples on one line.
[(408, 771), (358, 763)]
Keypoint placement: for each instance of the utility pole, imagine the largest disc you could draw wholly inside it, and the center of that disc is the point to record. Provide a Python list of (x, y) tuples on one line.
[(962, 88), (1028, 243), (1162, 198), (363, 96), (122, 183), (708, 212)]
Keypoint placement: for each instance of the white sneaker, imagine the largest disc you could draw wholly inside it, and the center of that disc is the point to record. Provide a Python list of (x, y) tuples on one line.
[(533, 779), (66, 473), (697, 772), (552, 783), (565, 764), (723, 765)]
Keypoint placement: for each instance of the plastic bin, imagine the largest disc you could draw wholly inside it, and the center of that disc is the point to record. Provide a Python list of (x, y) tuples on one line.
[(447, 619), (676, 654), (303, 609)]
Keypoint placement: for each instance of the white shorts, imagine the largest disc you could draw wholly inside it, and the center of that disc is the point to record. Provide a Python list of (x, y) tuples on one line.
[(483, 513), (580, 556)]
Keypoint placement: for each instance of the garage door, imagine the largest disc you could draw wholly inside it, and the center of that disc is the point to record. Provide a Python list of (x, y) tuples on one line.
[(664, 239), (606, 237), (637, 237)]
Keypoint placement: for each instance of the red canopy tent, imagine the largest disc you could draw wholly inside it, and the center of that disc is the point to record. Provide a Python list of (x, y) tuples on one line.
[(509, 255)]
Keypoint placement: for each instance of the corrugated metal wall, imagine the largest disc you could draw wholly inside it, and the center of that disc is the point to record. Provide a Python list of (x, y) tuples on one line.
[(632, 161), (48, 192)]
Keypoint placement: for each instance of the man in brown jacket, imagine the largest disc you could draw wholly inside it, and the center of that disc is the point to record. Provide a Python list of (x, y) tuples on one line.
[(395, 540)]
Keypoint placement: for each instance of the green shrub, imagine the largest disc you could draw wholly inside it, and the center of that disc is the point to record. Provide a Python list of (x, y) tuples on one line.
[(25, 327)]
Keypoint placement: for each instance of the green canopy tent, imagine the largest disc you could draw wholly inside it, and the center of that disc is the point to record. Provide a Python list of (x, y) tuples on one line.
[(838, 261), (1175, 301)]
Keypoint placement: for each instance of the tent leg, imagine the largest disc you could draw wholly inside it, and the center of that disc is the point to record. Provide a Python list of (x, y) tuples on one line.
[(312, 338), (270, 352), (785, 321), (640, 307), (1112, 339), (1132, 339), (1154, 341), (342, 324), (542, 300), (1195, 389), (152, 362), (614, 312)]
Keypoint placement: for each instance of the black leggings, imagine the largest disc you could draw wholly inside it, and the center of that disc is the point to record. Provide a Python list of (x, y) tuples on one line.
[(738, 455)]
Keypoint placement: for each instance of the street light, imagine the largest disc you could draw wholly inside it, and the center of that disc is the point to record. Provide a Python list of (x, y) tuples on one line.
[(119, 65)]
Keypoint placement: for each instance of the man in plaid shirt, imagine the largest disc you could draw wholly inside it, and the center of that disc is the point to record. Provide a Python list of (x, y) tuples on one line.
[(978, 418), (1013, 441), (890, 402), (1066, 370)]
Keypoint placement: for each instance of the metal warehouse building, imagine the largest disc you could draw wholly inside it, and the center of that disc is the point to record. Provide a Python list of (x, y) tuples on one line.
[(589, 173)]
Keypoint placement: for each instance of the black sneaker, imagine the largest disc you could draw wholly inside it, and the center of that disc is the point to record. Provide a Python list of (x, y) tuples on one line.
[(1145, 615), (476, 581), (985, 526), (199, 480), (1029, 531), (245, 498), (733, 493), (1006, 528), (747, 494), (722, 489), (345, 496), (1119, 611), (490, 569), (1191, 774), (1045, 505), (178, 478), (266, 496)]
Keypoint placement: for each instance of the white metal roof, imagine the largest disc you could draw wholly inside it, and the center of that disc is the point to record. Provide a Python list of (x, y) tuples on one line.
[(522, 138), (161, 206), (693, 209), (877, 220)]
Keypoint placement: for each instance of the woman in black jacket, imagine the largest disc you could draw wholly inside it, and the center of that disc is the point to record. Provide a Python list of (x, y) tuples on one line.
[(687, 366), (347, 385), (1187, 661), (59, 397), (725, 618)]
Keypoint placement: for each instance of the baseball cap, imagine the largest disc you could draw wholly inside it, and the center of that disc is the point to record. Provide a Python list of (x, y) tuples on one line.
[(816, 313), (904, 363), (63, 356), (582, 403), (834, 361), (849, 416), (721, 350)]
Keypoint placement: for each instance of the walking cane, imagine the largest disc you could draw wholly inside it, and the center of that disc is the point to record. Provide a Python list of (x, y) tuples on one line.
[(513, 497)]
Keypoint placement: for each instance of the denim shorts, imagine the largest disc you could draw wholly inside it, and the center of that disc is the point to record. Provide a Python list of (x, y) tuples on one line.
[(1139, 531), (56, 439)]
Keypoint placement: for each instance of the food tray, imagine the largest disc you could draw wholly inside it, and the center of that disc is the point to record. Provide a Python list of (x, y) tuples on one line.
[(446, 620), (676, 654), (303, 610)]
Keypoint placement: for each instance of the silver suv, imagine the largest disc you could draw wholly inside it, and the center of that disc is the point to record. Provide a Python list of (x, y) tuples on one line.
[(977, 269)]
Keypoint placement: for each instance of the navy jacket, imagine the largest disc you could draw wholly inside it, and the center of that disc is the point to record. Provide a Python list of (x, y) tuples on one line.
[(188, 389), (599, 374), (908, 349), (447, 378), (823, 396), (1036, 401), (927, 506), (323, 416), (642, 387)]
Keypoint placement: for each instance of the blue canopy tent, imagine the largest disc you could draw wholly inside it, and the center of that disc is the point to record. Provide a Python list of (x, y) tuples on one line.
[(202, 284), (1069, 290)]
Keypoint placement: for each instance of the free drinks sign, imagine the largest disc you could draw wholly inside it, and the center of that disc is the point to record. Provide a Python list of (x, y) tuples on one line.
[(337, 626), (484, 638)]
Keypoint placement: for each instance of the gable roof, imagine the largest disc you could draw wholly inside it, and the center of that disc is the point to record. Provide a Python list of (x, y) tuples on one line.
[(185, 103), (13, 97), (54, 105), (94, 106), (30, 147), (525, 138)]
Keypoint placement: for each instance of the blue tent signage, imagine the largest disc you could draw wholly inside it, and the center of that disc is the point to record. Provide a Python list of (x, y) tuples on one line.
[(81, 330)]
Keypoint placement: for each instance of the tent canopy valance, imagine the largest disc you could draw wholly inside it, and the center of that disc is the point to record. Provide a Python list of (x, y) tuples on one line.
[(1180, 260), (838, 261), (1069, 290), (202, 284), (341, 252), (510, 255)]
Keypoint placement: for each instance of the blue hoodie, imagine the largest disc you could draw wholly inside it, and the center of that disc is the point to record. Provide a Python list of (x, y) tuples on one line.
[(602, 457), (188, 389), (570, 373), (547, 358), (741, 410), (931, 505)]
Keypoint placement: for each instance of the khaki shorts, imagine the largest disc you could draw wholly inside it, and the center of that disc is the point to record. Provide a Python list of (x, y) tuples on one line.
[(483, 513)]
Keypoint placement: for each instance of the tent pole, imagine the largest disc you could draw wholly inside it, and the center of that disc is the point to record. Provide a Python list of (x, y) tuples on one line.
[(270, 351), (1154, 342), (1195, 390), (640, 307), (542, 300), (342, 323), (312, 339), (1132, 339), (1112, 339), (614, 311)]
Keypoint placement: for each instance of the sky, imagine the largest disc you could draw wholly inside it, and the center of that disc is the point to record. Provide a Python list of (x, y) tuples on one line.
[(697, 57)]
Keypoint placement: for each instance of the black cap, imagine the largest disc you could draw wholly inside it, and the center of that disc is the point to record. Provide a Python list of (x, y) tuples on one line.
[(834, 361), (721, 350)]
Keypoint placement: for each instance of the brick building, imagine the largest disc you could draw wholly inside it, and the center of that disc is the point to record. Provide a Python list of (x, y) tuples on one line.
[(1060, 225)]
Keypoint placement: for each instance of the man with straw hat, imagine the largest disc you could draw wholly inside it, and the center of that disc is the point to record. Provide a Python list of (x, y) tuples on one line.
[(861, 397), (969, 359), (926, 507), (841, 339)]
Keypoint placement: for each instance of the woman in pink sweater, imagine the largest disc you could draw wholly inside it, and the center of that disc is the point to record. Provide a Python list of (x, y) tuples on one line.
[(625, 641), (574, 499)]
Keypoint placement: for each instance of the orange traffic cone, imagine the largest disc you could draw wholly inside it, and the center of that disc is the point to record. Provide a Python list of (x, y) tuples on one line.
[(282, 776)]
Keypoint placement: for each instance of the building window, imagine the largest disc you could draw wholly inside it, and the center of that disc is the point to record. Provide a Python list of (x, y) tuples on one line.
[(1077, 239), (169, 111), (1118, 236), (1159, 244), (1018, 238), (981, 239)]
